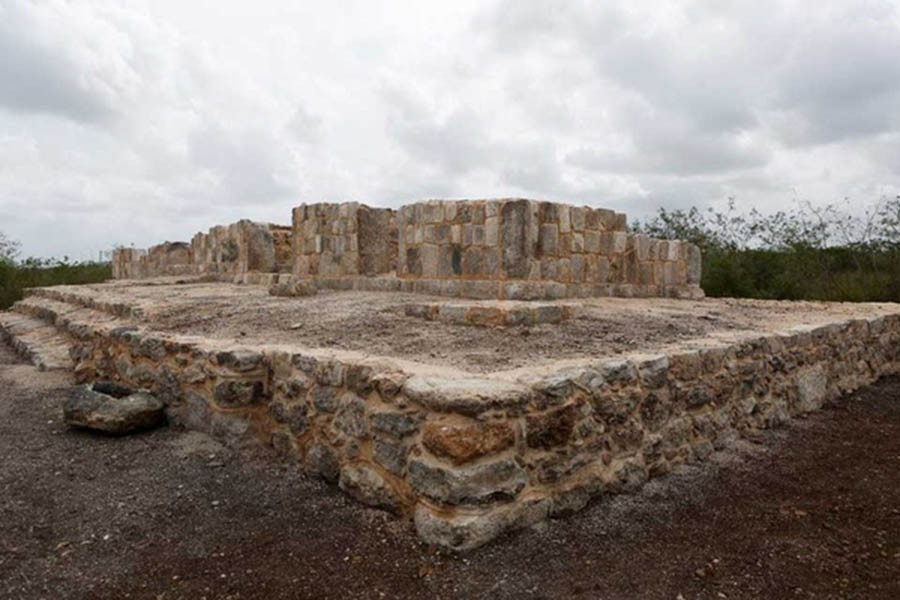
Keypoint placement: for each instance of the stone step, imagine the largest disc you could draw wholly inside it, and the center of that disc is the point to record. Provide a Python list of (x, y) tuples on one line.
[(58, 312), (36, 340), (82, 297)]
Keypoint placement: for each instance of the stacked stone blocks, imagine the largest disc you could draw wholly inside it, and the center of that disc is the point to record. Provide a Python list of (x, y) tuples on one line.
[(346, 239), (470, 457), (483, 249)]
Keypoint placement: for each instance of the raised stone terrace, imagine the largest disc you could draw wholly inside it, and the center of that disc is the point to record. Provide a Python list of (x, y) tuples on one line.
[(468, 424)]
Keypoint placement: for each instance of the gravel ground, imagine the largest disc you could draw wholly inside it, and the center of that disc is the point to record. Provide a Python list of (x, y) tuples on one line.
[(811, 511)]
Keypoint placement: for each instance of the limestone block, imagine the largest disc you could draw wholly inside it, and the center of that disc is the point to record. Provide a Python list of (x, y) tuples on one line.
[(467, 530), (548, 240), (514, 226), (467, 396), (482, 483)]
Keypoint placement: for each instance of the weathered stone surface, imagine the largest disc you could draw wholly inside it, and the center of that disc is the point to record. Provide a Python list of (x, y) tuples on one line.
[(295, 416), (240, 361), (812, 388), (232, 393), (618, 370), (653, 370), (514, 222), (694, 262), (89, 409), (377, 239), (111, 388), (550, 428), (389, 383), (324, 399), (393, 423), (464, 442), (467, 530), (323, 461), (468, 396), (351, 416), (369, 487), (482, 483), (391, 456)]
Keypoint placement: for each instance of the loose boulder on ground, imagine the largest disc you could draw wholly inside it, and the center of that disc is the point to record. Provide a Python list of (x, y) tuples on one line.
[(112, 408)]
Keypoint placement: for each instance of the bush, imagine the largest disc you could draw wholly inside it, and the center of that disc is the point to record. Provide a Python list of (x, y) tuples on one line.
[(15, 277), (805, 254)]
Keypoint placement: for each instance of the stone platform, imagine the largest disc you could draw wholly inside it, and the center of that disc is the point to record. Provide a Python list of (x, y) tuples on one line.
[(470, 431)]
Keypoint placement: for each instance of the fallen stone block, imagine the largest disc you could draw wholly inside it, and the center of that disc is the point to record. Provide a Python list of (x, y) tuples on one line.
[(112, 409)]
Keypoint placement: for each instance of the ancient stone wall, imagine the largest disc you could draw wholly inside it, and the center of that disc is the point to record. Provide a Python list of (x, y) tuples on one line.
[(126, 263), (486, 249), (168, 258), (225, 251), (238, 248), (345, 239), (524, 249), (471, 457)]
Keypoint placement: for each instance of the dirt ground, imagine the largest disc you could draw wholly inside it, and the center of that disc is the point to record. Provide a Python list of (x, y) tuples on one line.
[(810, 511), (375, 323)]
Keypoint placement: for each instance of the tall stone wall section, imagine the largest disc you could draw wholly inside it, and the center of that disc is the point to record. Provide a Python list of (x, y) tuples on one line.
[(242, 247), (343, 239), (471, 457), (524, 249), (505, 249)]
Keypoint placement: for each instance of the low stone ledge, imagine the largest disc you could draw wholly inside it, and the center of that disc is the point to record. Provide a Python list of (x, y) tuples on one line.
[(500, 315)]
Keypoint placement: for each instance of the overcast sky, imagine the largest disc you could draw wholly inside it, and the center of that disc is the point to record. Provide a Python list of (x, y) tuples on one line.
[(133, 122)]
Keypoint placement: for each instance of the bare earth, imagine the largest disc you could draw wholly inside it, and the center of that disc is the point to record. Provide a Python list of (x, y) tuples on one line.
[(374, 323), (811, 511)]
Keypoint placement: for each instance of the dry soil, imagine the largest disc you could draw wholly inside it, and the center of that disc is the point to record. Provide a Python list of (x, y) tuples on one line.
[(809, 511)]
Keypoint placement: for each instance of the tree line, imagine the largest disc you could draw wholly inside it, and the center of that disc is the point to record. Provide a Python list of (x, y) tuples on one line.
[(834, 252)]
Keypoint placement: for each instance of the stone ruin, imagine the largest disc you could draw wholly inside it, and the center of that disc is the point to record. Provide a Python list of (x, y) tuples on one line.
[(466, 454), (509, 249)]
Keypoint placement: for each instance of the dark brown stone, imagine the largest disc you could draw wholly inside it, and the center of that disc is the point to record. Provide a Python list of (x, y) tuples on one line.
[(551, 428)]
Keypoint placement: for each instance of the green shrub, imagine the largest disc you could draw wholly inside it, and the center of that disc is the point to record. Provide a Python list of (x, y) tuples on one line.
[(805, 254), (15, 277)]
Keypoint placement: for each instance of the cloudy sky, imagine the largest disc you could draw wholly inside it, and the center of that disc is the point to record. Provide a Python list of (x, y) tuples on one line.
[(130, 122)]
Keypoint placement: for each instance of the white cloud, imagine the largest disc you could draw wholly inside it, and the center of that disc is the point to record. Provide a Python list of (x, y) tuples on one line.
[(123, 121)]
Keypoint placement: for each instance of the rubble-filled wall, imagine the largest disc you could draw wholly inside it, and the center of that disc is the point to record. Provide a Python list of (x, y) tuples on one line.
[(340, 239), (226, 251), (470, 457)]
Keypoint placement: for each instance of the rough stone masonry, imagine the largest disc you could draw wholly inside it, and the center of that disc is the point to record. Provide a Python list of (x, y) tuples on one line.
[(484, 249), (466, 455)]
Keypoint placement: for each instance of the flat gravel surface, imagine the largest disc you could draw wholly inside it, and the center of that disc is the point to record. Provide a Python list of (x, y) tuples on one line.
[(809, 511), (375, 323)]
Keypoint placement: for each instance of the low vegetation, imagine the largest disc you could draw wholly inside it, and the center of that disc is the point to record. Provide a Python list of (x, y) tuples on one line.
[(807, 253), (15, 275)]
